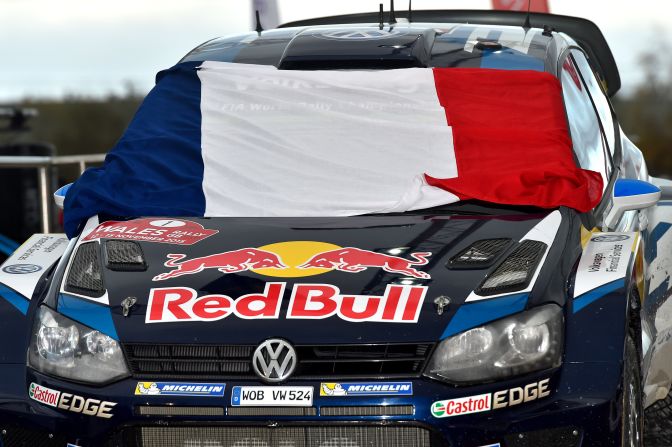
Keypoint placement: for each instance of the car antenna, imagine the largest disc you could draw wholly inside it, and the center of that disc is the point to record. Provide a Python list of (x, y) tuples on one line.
[(527, 25), (393, 19), (381, 17), (259, 28), (410, 12)]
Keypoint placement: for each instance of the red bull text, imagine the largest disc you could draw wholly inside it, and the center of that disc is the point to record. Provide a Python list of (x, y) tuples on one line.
[(399, 304)]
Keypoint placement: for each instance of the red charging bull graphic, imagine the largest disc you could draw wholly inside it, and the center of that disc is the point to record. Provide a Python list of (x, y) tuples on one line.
[(228, 262), (355, 260)]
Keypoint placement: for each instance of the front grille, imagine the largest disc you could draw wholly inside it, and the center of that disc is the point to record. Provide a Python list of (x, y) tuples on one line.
[(368, 410), (315, 362), (316, 436)]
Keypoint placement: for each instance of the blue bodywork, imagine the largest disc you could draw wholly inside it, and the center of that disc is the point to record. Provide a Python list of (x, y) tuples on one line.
[(585, 403)]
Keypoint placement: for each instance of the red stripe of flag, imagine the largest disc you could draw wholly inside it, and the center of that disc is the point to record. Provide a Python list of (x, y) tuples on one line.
[(521, 5), (511, 140)]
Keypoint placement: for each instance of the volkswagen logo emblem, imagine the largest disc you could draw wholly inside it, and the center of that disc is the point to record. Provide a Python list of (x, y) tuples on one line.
[(360, 34), (21, 269), (611, 238), (274, 360)]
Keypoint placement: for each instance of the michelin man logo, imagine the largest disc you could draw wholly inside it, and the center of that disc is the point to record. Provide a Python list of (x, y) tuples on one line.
[(148, 388), (333, 389)]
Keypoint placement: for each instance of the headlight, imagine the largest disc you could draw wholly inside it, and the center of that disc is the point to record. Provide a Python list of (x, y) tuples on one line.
[(523, 343), (64, 348)]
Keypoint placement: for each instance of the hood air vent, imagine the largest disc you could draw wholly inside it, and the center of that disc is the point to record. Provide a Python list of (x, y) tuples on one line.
[(124, 256), (517, 270), (85, 276), (480, 254)]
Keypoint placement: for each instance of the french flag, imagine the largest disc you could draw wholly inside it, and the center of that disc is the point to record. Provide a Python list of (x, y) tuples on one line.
[(226, 139)]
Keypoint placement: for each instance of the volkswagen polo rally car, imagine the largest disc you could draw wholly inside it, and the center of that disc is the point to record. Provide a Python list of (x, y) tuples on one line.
[(270, 297)]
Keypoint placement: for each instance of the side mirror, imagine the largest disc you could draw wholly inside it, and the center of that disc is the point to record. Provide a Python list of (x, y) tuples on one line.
[(631, 195), (59, 195)]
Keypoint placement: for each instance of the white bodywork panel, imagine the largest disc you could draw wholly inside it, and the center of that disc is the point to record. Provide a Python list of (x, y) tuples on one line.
[(24, 268)]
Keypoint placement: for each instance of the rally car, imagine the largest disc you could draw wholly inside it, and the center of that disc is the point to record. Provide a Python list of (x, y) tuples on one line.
[(454, 319)]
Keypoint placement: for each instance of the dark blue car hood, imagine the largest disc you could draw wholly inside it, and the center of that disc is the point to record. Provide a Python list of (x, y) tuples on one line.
[(427, 243)]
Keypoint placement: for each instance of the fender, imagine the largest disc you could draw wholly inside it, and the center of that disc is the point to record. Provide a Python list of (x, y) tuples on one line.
[(22, 276), (598, 315)]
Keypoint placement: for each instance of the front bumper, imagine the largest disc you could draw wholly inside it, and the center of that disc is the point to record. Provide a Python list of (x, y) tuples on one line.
[(582, 409)]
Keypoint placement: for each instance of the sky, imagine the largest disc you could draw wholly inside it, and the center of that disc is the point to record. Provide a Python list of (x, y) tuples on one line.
[(52, 48)]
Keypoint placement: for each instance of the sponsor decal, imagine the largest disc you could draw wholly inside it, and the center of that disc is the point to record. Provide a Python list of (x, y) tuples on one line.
[(295, 259), (71, 402), (228, 262), (605, 259), (611, 238), (272, 396), (491, 401), (21, 269), (179, 389), (166, 231), (399, 304), (463, 405), (44, 395), (366, 389)]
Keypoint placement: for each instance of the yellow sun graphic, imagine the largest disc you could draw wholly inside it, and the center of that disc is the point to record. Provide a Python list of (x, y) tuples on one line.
[(293, 254)]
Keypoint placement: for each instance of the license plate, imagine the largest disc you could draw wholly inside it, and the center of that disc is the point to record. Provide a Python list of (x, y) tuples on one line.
[(271, 396)]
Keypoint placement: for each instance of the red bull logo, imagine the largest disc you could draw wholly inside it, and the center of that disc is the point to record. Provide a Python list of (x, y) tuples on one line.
[(227, 262), (297, 259), (355, 260), (399, 304)]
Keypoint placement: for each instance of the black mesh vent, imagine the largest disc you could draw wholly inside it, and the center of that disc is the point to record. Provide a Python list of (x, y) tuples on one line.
[(516, 271), (171, 410), (552, 437), (17, 436), (369, 410), (85, 275), (234, 361), (124, 256), (271, 411), (480, 254), (312, 436)]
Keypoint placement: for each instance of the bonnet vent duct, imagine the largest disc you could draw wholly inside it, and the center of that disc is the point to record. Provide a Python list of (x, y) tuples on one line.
[(516, 271), (85, 276), (480, 254), (124, 256)]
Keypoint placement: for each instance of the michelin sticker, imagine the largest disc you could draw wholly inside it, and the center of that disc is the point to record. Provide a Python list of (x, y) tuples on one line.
[(366, 389), (179, 389), (605, 259)]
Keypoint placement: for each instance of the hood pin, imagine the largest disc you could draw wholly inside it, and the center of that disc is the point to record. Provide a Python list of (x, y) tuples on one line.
[(441, 302), (127, 304)]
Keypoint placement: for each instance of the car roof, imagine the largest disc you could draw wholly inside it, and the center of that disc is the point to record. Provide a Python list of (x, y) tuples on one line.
[(485, 39)]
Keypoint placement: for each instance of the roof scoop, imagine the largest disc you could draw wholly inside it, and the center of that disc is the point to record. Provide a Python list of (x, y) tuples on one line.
[(361, 47)]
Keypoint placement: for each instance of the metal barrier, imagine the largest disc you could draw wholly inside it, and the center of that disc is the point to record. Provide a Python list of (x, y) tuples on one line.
[(42, 165)]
